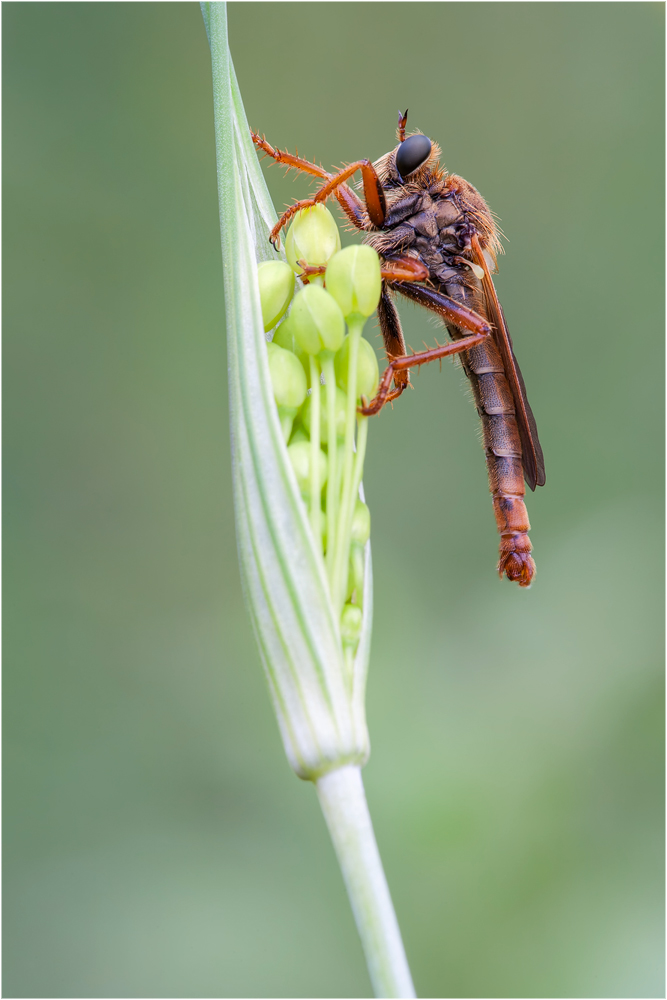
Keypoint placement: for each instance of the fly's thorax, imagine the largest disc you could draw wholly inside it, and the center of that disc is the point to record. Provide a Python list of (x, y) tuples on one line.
[(435, 224)]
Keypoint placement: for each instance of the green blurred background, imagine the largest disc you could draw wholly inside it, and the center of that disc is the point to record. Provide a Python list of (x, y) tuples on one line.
[(156, 843)]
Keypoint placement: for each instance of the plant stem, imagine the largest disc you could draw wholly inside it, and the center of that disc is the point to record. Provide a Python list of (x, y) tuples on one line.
[(343, 801), (315, 484), (355, 326), (332, 455)]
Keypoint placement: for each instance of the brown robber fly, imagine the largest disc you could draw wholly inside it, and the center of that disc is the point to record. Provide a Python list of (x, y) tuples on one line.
[(438, 241)]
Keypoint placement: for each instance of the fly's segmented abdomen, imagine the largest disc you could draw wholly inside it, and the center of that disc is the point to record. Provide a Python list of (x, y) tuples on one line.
[(502, 447)]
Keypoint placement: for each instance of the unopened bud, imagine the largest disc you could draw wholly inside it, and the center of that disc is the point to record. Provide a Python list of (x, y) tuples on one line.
[(368, 372), (361, 524), (355, 573), (351, 621), (316, 321), (298, 433), (287, 377), (284, 337), (340, 410), (312, 237), (276, 288), (300, 456), (353, 278)]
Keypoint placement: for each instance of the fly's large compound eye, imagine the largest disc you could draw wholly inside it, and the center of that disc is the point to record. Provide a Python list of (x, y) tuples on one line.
[(412, 153)]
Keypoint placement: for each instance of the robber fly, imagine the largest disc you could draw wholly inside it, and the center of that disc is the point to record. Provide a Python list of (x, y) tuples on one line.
[(438, 242)]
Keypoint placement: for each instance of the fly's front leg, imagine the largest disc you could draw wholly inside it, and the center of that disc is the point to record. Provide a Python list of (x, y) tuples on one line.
[(350, 202), (374, 195), (373, 192), (337, 188), (288, 159)]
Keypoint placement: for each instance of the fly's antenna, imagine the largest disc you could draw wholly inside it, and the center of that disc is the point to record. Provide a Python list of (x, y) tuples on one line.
[(402, 122)]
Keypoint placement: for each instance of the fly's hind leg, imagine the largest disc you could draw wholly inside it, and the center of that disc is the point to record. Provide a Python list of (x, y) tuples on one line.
[(399, 363), (397, 269), (400, 366), (394, 345)]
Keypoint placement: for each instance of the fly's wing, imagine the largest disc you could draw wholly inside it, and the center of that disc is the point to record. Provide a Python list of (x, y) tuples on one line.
[(533, 459)]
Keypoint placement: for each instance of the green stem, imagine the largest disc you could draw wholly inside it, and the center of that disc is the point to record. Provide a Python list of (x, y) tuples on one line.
[(343, 802), (359, 456), (356, 325), (315, 484), (347, 513), (332, 461)]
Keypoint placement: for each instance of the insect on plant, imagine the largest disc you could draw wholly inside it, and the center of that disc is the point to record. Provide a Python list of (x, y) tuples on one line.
[(438, 243)]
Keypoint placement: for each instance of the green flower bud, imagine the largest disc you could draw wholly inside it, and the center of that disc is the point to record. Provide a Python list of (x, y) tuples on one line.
[(299, 454), (287, 377), (353, 278), (286, 422), (298, 433), (284, 337), (355, 573), (368, 372), (316, 321), (313, 237), (361, 524), (276, 288), (341, 410), (350, 624)]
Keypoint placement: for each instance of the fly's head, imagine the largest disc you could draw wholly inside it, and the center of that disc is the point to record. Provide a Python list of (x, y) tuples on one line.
[(412, 165)]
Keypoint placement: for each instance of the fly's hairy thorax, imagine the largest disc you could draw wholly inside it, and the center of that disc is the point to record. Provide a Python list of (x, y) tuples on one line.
[(434, 221)]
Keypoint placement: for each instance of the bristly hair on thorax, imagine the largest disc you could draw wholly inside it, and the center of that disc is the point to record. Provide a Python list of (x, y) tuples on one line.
[(435, 179)]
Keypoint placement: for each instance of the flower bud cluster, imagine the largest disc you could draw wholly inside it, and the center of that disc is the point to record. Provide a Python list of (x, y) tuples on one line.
[(320, 367)]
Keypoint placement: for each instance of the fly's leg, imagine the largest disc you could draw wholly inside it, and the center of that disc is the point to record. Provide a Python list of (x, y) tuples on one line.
[(309, 271), (335, 186), (447, 308), (399, 364), (398, 269), (288, 159), (398, 278), (350, 202), (404, 269), (383, 394), (401, 269), (394, 343), (374, 195), (400, 273)]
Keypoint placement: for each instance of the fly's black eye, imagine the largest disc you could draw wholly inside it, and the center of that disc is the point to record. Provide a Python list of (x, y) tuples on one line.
[(412, 153)]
